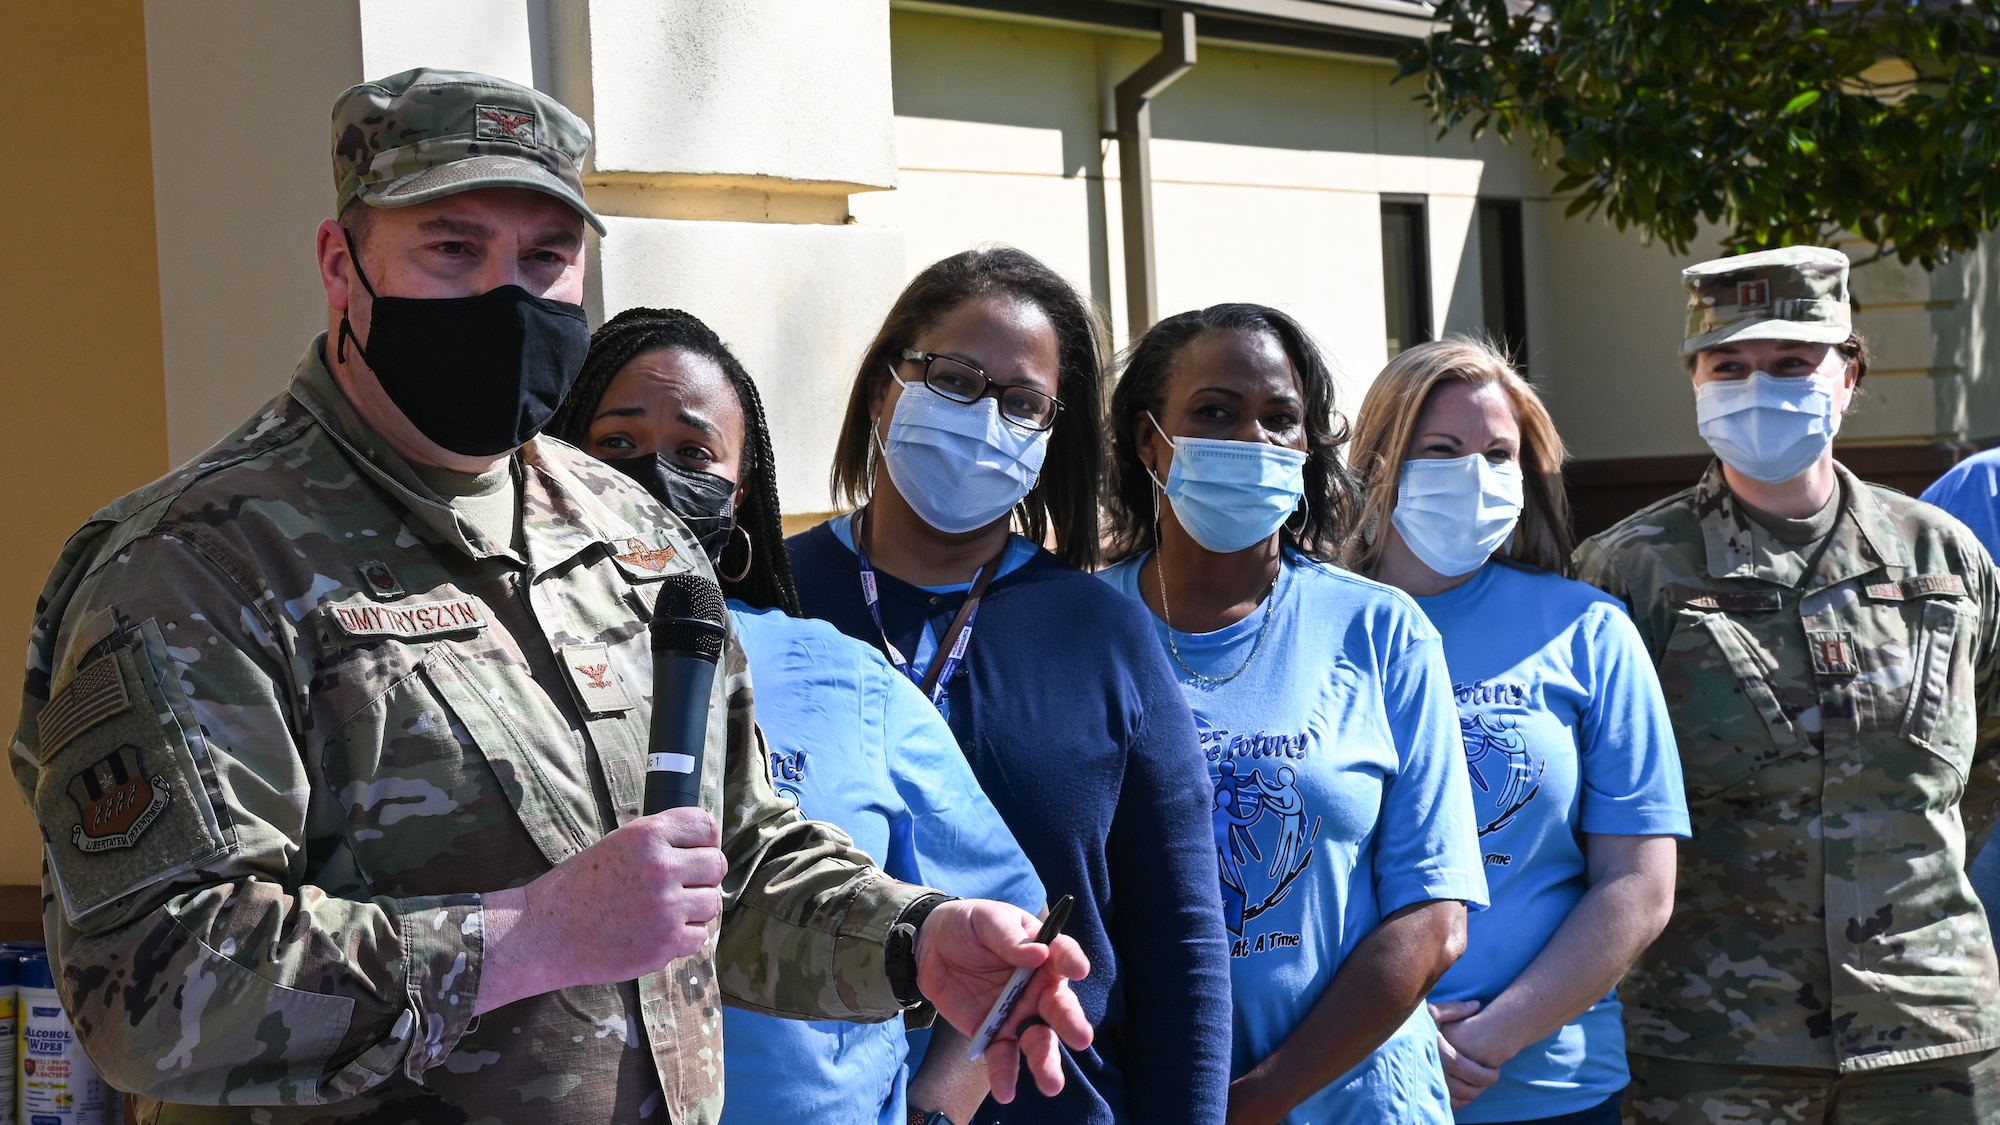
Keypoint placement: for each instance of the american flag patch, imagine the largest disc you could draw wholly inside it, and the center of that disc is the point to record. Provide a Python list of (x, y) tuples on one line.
[(94, 694)]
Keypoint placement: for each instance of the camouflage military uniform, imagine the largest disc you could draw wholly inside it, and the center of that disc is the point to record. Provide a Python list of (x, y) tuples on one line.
[(1827, 708), (287, 714)]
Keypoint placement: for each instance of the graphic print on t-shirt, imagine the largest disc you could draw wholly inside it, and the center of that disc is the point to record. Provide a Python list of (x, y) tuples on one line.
[(1263, 831), (1506, 775), (788, 775)]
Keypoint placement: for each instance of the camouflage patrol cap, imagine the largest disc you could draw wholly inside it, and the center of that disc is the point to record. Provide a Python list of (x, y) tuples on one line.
[(425, 134), (1793, 293)]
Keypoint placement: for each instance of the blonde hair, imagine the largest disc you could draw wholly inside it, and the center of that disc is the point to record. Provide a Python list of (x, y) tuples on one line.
[(1388, 419)]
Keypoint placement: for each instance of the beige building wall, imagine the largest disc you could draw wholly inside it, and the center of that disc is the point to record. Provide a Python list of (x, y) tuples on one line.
[(738, 214), (80, 313), (1269, 172)]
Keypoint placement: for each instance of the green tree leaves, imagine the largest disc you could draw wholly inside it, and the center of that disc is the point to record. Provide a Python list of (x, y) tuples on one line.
[(1782, 122)]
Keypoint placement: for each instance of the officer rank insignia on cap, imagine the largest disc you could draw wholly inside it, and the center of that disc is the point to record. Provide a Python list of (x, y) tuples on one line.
[(1794, 293), (505, 123), (115, 800)]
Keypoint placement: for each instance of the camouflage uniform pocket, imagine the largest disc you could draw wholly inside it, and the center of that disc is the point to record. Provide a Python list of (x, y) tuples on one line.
[(126, 793), (1934, 691), (1714, 668)]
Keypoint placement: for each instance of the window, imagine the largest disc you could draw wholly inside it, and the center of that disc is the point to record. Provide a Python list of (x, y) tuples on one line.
[(1406, 286), (1503, 278)]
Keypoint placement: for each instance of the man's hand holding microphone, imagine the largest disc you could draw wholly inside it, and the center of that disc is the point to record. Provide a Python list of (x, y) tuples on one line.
[(645, 893)]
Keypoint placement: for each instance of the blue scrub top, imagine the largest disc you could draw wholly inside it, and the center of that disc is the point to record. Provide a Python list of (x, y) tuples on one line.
[(1970, 490), (1565, 733), (857, 745), (1340, 798)]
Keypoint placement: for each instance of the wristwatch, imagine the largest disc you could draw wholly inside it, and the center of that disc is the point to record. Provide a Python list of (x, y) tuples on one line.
[(928, 1117), (900, 950)]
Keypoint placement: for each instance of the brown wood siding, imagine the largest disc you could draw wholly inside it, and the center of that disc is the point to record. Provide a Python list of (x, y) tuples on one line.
[(1603, 492)]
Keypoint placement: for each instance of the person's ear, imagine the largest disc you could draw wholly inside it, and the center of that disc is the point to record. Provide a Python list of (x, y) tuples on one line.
[(336, 265), (878, 400), (1143, 438)]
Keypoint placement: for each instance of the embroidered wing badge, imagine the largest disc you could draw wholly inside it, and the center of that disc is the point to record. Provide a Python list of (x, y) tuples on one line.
[(654, 559)]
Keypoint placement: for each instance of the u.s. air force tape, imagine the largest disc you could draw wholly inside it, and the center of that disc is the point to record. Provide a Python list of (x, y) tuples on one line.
[(671, 763)]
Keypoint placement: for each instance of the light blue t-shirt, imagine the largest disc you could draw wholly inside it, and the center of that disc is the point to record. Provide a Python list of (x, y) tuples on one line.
[(1565, 733), (1340, 798), (857, 745), (1970, 490)]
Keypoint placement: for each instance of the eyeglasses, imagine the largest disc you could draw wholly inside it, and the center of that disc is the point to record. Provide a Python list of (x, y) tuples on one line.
[(961, 382)]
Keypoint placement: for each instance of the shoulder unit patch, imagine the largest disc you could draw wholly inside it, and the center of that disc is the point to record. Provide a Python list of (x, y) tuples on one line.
[(116, 800)]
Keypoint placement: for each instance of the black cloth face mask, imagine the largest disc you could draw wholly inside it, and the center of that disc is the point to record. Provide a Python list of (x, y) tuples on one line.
[(477, 375), (705, 502)]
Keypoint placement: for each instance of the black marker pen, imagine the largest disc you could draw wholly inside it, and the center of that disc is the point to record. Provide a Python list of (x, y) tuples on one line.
[(1018, 983)]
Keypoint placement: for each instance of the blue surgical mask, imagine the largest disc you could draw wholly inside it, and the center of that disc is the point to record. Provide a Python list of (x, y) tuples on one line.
[(1232, 495), (1767, 427), (960, 465), (1454, 514)]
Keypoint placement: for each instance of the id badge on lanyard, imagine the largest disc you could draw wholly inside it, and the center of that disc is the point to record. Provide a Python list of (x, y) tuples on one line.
[(934, 681)]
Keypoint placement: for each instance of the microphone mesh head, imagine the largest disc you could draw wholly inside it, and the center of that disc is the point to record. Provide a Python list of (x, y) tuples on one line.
[(690, 616)]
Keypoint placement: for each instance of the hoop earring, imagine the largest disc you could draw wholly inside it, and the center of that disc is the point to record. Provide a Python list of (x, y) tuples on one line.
[(749, 554)]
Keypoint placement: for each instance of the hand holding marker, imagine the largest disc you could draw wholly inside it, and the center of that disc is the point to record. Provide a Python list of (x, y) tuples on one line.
[(1018, 983)]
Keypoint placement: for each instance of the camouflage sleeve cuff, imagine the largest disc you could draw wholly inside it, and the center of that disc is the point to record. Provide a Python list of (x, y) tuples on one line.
[(832, 964), (443, 947)]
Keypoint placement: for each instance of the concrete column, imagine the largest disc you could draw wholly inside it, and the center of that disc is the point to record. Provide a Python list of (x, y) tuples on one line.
[(729, 137)]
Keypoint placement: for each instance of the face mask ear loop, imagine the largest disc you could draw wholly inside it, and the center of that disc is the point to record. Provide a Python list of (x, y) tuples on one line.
[(1305, 516), (347, 329), (1159, 488)]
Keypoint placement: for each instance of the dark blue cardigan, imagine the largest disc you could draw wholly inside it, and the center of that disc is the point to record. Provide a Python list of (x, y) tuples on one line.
[(1078, 732)]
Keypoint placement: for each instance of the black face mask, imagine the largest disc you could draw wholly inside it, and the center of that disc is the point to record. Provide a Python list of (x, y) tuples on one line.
[(705, 502), (477, 375)]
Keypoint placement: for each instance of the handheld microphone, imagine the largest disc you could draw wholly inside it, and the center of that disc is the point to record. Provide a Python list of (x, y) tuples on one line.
[(689, 624)]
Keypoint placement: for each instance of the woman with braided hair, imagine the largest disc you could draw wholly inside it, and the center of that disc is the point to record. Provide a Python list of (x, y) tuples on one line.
[(662, 399), (709, 459)]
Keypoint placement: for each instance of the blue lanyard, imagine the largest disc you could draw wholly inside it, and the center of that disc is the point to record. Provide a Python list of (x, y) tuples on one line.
[(951, 646)]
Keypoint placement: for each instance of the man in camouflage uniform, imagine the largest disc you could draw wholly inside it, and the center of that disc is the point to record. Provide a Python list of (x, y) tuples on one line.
[(291, 709), (1827, 648)]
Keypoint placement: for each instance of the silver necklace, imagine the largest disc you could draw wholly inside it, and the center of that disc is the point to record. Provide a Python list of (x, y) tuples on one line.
[(1160, 568)]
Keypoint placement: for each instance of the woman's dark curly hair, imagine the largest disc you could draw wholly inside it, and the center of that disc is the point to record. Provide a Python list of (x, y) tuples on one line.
[(633, 333), (1065, 498), (1331, 499)]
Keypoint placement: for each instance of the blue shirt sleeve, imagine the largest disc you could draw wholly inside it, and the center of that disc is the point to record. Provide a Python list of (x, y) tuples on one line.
[(950, 836), (1631, 764), (1427, 845), (1970, 490)]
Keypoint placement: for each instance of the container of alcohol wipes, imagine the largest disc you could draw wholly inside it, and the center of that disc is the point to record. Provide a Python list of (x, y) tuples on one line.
[(57, 1084), (10, 1033)]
